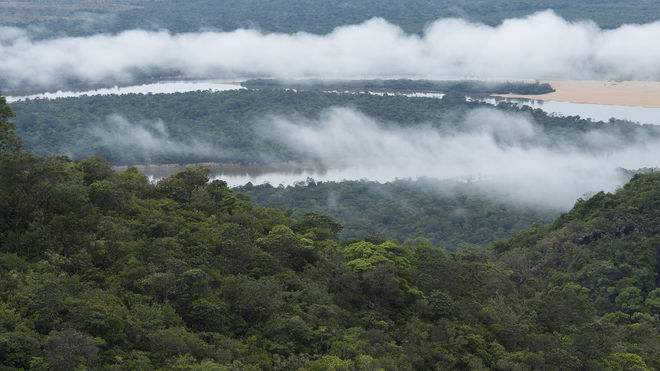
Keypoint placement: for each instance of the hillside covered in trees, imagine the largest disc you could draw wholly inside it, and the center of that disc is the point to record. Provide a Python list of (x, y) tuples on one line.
[(104, 270)]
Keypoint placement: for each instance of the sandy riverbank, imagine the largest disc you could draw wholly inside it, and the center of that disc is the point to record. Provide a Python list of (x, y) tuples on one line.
[(622, 93)]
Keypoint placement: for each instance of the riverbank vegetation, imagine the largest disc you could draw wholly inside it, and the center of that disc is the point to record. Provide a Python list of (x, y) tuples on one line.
[(468, 87)]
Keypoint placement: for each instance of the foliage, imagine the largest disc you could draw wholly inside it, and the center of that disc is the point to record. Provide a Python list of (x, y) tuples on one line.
[(467, 87), (161, 280), (448, 214), (234, 126)]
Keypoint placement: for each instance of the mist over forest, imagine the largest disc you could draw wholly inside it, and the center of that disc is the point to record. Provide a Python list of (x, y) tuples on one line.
[(529, 156), (536, 46), (352, 189)]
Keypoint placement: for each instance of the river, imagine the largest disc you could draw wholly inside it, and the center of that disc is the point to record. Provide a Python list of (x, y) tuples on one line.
[(596, 112), (161, 87)]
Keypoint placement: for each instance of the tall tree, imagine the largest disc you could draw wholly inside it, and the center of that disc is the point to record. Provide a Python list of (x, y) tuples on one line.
[(9, 142)]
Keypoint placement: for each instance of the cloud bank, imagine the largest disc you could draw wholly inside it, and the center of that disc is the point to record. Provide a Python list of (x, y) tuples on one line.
[(506, 153), (542, 45), (143, 140)]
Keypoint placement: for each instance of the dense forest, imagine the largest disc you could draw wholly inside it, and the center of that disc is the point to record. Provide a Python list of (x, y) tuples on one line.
[(232, 126), (480, 269), (449, 214), (104, 270), (84, 17), (467, 87)]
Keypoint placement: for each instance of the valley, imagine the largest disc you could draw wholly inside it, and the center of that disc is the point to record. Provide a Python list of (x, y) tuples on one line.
[(366, 185)]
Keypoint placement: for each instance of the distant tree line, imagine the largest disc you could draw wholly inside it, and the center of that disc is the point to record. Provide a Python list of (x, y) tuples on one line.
[(234, 124), (466, 87)]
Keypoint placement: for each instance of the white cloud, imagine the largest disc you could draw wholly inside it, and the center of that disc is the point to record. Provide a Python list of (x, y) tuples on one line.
[(144, 139), (507, 153), (542, 45)]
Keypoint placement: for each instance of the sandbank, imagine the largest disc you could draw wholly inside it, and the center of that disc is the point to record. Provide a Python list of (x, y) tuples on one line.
[(621, 93)]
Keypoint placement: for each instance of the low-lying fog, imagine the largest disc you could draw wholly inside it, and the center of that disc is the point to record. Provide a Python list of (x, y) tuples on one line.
[(541, 45), (507, 154)]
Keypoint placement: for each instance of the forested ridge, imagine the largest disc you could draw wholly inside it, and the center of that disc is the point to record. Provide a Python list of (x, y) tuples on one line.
[(101, 270)]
